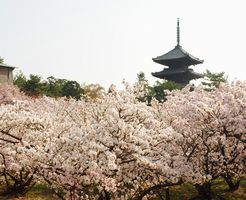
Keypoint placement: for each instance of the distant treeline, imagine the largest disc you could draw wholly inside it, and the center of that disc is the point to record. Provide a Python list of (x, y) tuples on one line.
[(35, 86)]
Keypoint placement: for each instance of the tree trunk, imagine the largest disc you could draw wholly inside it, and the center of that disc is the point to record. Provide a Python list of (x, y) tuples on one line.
[(19, 188), (204, 192), (157, 187), (232, 184), (167, 194), (104, 195)]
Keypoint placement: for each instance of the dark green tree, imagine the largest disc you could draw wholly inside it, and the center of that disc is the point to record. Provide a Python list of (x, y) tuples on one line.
[(72, 89), (212, 80), (141, 77), (20, 80), (33, 86), (53, 87), (158, 90)]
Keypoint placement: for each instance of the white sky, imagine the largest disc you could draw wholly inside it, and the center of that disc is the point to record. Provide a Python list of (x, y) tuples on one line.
[(105, 41)]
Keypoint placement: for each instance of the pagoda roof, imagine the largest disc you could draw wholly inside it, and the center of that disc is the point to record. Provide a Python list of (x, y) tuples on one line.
[(181, 76), (177, 57)]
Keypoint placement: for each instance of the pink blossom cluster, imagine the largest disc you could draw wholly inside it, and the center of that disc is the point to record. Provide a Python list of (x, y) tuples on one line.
[(120, 146), (10, 93)]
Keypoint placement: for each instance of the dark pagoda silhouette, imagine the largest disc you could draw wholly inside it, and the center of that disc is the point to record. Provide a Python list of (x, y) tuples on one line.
[(178, 61)]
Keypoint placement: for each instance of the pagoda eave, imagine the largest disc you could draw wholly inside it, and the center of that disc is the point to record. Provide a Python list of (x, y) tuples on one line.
[(184, 61), (182, 77), (177, 57)]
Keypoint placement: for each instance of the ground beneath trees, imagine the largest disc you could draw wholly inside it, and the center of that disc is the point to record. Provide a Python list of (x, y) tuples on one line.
[(183, 192)]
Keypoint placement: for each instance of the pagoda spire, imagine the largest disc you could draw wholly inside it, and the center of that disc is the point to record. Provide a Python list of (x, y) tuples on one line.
[(177, 62), (178, 32)]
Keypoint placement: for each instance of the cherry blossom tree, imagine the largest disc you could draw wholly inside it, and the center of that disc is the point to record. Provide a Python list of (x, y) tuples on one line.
[(16, 122), (118, 124), (212, 128), (135, 141), (120, 148), (40, 139), (85, 148)]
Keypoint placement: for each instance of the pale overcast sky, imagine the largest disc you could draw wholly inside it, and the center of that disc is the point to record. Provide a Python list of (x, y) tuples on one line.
[(106, 41)]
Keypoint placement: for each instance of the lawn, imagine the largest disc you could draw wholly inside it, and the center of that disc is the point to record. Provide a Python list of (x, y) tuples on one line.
[(182, 192)]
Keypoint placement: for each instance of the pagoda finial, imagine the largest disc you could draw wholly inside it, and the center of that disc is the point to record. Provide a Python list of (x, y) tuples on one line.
[(178, 33)]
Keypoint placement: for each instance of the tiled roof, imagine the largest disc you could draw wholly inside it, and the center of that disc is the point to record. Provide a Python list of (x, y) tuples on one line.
[(179, 76), (177, 57), (4, 65)]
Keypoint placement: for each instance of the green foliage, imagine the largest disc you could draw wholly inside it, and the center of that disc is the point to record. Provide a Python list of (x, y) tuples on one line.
[(35, 86), (158, 90), (72, 89), (53, 87), (141, 77), (19, 80), (32, 86), (1, 60), (212, 80)]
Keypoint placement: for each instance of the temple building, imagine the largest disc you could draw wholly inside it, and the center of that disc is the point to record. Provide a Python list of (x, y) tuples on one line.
[(177, 61), (6, 74)]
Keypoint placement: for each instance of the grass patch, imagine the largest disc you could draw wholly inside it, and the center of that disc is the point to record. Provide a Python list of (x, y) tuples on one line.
[(41, 191), (38, 192), (219, 186), (184, 191), (180, 192)]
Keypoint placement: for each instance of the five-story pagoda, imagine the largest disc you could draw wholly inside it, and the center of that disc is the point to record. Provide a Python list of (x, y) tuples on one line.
[(178, 62)]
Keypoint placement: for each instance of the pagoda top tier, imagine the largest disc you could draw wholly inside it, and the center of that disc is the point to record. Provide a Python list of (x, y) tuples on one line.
[(177, 57)]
